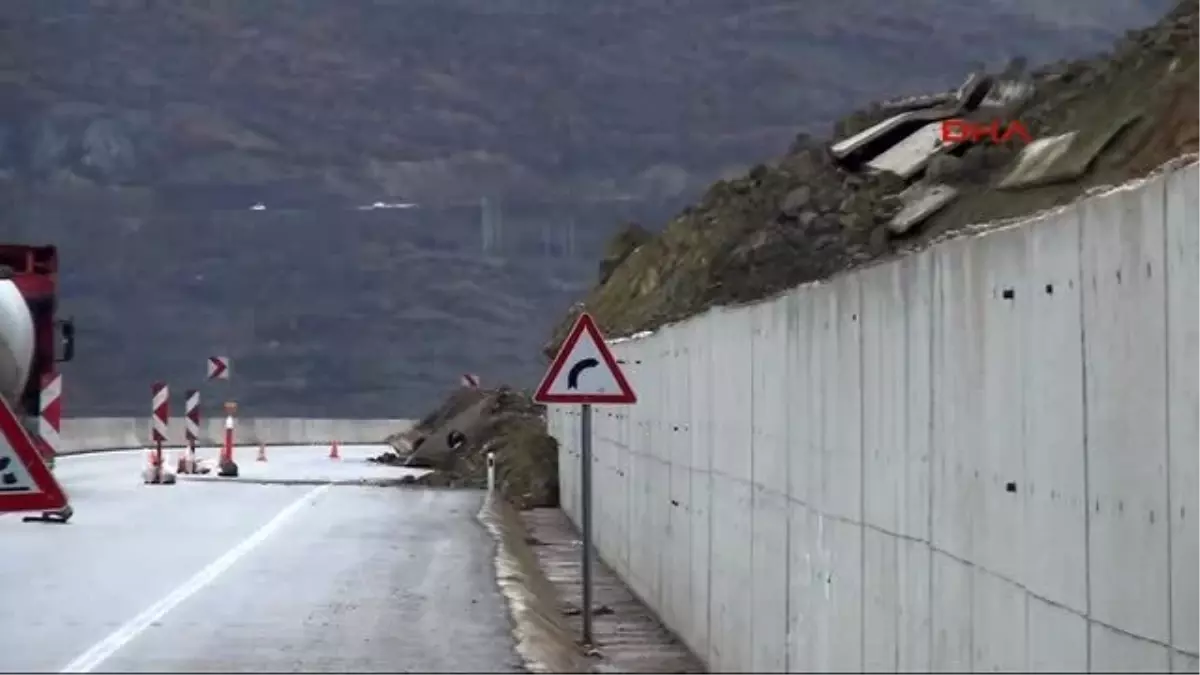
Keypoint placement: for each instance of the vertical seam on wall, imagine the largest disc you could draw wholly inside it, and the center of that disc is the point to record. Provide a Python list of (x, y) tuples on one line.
[(905, 359), (979, 409), (1166, 283), (862, 485), (935, 307), (788, 363), (1028, 291), (1087, 496), (754, 334), (708, 342)]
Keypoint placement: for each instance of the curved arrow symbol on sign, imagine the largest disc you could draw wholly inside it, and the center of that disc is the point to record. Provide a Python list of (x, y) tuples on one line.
[(577, 370)]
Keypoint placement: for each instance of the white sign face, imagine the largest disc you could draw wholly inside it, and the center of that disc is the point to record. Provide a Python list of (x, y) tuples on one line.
[(584, 371), (14, 477)]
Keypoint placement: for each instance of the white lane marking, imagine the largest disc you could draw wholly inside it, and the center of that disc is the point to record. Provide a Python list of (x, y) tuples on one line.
[(102, 650)]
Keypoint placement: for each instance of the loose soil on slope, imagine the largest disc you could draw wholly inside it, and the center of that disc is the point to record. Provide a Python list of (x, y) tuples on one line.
[(802, 217)]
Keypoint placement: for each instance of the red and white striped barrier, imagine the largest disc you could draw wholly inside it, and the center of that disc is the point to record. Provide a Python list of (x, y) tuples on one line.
[(227, 449), (50, 416), (191, 420), (470, 380), (159, 421)]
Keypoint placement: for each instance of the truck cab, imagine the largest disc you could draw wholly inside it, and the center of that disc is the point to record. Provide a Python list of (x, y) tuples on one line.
[(33, 270)]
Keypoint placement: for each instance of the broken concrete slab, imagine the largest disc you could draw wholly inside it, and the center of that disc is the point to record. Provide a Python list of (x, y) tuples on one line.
[(1067, 156), (879, 138), (908, 157), (919, 202), (1036, 160)]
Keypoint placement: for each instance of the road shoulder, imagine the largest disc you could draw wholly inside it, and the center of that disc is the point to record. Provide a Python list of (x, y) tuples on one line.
[(628, 637)]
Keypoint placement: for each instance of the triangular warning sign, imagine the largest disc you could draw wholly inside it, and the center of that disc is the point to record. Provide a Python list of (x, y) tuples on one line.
[(26, 483), (584, 370)]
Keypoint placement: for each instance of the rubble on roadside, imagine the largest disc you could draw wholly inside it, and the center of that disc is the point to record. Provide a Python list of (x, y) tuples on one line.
[(454, 439)]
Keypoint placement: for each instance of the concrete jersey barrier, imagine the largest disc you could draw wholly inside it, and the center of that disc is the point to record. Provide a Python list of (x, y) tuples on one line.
[(88, 434)]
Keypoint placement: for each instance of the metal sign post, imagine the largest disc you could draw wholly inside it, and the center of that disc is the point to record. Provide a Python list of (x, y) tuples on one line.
[(585, 515), (584, 372)]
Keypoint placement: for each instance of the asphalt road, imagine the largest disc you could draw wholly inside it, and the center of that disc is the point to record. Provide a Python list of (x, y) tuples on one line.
[(199, 577)]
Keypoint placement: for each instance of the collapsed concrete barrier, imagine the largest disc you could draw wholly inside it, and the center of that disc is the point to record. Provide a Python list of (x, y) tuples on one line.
[(979, 457), (91, 434)]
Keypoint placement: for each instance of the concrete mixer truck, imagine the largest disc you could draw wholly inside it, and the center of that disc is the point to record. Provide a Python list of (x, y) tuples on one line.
[(32, 339)]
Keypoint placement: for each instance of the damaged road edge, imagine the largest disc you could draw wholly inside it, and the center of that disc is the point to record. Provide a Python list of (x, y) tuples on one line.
[(543, 640)]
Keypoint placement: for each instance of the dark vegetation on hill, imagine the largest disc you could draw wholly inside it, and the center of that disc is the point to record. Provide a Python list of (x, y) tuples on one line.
[(135, 135)]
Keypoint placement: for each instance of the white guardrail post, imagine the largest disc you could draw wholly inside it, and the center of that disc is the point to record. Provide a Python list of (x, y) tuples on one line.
[(491, 471)]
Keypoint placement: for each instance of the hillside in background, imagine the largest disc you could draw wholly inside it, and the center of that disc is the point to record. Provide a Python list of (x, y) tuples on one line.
[(136, 134), (812, 212)]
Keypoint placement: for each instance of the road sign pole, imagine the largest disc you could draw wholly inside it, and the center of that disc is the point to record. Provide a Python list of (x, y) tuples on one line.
[(584, 372), (585, 515)]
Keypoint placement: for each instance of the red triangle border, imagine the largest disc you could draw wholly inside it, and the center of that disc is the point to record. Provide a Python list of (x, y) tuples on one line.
[(51, 497), (585, 323)]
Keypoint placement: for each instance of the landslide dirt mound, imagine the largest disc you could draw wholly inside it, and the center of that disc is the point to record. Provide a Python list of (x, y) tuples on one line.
[(455, 438), (806, 216)]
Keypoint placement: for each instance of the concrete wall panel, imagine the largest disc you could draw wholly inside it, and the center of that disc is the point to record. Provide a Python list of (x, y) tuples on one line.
[(1183, 434), (730, 613), (959, 290), (769, 557), (732, 365), (1000, 465), (951, 617), (676, 565), (842, 438), (998, 630), (808, 602), (916, 277), (701, 398), (884, 396), (1116, 652), (1055, 525), (914, 616), (769, 574), (1124, 324), (843, 579), (882, 588), (1057, 639)]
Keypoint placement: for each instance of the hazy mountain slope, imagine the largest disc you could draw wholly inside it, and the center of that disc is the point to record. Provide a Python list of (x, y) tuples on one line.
[(803, 216), (429, 99), (134, 134)]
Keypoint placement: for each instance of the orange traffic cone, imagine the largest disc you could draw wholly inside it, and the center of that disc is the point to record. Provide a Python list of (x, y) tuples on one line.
[(262, 452), (333, 451)]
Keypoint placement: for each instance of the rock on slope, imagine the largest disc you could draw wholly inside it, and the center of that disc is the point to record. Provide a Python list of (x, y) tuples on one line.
[(804, 217)]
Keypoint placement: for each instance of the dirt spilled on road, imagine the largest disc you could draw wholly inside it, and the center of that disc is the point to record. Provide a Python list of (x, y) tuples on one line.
[(456, 437)]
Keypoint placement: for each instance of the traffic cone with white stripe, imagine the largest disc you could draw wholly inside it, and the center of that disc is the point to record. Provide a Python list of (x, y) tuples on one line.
[(333, 451)]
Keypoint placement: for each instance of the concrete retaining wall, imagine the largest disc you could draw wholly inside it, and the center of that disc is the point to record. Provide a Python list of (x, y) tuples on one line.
[(105, 433), (979, 457)]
